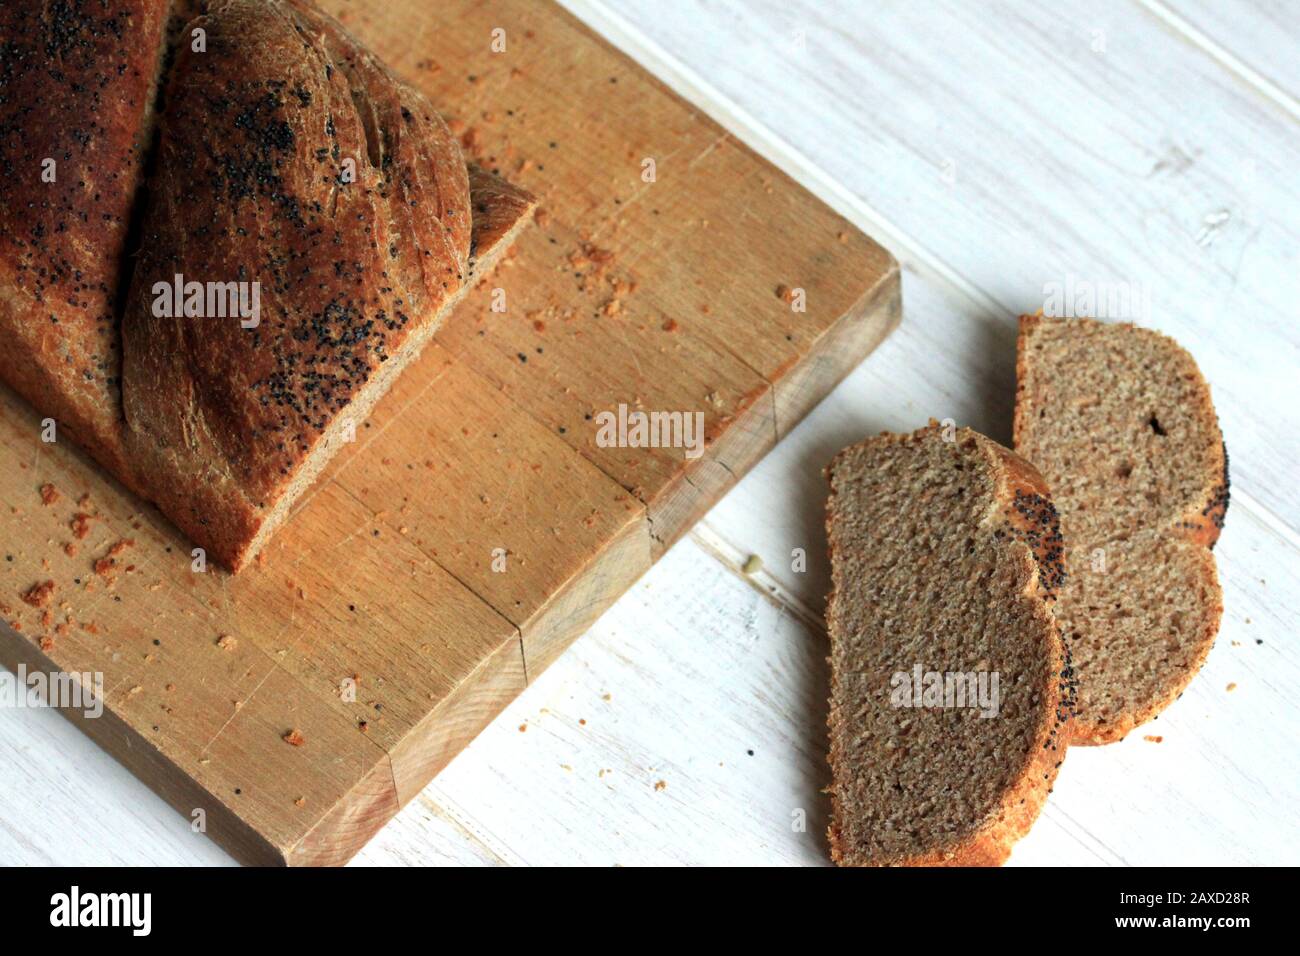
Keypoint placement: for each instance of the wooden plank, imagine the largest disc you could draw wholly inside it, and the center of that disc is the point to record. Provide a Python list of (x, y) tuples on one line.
[(304, 701)]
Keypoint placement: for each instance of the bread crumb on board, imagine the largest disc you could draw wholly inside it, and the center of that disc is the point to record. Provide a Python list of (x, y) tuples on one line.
[(39, 595), (294, 738), (105, 566), (227, 642), (49, 494)]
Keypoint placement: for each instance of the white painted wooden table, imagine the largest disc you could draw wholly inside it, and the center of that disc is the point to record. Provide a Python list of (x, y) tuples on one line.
[(993, 150)]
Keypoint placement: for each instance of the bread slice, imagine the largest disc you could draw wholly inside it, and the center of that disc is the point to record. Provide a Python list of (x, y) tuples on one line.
[(1120, 422), (76, 88), (228, 425), (945, 557)]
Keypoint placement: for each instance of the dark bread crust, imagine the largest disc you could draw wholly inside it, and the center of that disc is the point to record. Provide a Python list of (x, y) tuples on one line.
[(1198, 525), (227, 425), (1026, 515), (77, 85)]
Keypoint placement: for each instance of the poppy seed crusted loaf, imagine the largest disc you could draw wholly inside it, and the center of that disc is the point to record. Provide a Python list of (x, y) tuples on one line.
[(228, 425), (945, 557), (1120, 422), (295, 177)]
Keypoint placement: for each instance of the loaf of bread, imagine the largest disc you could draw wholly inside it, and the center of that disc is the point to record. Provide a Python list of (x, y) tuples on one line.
[(228, 424), (76, 117), (951, 690), (320, 207), (1120, 422)]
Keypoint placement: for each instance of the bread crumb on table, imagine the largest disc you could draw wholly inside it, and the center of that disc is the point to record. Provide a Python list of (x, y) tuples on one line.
[(1154, 738)]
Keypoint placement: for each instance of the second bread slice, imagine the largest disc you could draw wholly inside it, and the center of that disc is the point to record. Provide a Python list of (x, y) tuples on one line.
[(1120, 422)]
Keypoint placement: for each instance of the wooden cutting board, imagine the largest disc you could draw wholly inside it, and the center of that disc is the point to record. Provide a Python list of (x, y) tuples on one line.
[(477, 525)]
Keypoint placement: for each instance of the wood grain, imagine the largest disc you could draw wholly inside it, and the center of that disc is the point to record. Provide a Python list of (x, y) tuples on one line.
[(476, 526)]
